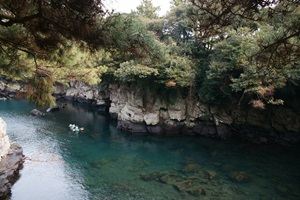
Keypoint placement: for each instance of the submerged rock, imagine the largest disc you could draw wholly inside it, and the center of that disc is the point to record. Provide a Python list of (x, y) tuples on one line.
[(99, 163), (185, 185), (154, 176), (240, 177), (191, 168), (170, 178), (56, 108), (36, 112), (211, 174), (196, 192)]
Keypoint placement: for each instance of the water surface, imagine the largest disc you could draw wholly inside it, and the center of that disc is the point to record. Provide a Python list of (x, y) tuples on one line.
[(106, 163)]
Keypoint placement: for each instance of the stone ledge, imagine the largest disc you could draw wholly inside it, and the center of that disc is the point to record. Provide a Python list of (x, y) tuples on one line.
[(9, 169)]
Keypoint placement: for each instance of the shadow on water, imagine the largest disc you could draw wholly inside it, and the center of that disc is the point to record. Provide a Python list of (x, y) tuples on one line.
[(105, 163)]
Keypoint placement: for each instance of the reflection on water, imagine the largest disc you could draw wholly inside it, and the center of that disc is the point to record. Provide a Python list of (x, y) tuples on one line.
[(105, 163)]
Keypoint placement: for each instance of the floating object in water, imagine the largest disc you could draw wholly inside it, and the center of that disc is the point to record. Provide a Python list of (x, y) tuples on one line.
[(75, 128)]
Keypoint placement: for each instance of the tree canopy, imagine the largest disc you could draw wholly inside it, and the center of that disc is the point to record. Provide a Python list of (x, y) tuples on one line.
[(242, 50), (258, 41)]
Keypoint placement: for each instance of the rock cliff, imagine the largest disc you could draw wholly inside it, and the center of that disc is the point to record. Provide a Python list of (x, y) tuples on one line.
[(11, 161), (139, 111)]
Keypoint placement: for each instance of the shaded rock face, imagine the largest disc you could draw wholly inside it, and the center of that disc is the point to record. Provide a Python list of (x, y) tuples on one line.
[(80, 92), (12, 89), (11, 161), (138, 111)]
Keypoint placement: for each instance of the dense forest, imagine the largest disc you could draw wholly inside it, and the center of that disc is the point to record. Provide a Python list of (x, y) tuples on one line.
[(246, 51)]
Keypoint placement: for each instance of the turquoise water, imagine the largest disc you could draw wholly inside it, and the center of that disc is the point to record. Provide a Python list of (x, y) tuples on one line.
[(105, 163)]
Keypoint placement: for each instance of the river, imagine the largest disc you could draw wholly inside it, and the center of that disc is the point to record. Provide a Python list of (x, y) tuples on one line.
[(105, 163)]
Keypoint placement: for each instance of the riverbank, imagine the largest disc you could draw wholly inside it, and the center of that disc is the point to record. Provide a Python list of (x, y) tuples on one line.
[(139, 111)]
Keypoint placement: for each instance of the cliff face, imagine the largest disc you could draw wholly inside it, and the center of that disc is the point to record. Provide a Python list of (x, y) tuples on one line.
[(4, 141), (11, 161), (139, 111)]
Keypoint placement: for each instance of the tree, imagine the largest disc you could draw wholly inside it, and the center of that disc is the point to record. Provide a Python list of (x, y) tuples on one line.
[(266, 42), (147, 9), (43, 41), (45, 23), (33, 32), (177, 23)]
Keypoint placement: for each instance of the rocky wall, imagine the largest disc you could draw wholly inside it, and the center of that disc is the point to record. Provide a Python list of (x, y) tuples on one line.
[(140, 112), (11, 161)]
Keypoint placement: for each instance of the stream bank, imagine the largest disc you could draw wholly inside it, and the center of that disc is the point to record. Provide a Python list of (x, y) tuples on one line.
[(138, 111)]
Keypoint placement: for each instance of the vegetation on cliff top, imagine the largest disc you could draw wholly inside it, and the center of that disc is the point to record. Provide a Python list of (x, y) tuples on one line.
[(246, 50)]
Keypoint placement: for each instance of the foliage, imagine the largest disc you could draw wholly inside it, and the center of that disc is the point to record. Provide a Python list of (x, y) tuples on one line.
[(131, 71), (78, 63), (40, 89), (222, 49), (147, 9), (129, 37), (44, 24), (180, 70), (177, 24), (255, 51)]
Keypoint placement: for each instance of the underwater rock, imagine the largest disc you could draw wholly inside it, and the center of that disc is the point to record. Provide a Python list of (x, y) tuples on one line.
[(211, 174), (99, 163), (170, 178), (36, 112), (191, 168), (240, 177), (154, 176), (196, 192), (184, 185)]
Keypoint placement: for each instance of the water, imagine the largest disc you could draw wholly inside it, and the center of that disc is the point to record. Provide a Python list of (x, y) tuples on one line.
[(105, 163)]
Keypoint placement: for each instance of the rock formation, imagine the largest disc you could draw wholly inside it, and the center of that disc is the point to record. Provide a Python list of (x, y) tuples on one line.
[(139, 111), (11, 161)]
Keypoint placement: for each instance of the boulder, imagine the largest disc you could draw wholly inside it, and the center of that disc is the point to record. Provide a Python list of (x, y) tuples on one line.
[(11, 160), (36, 112), (152, 118), (9, 168), (184, 185), (170, 178)]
